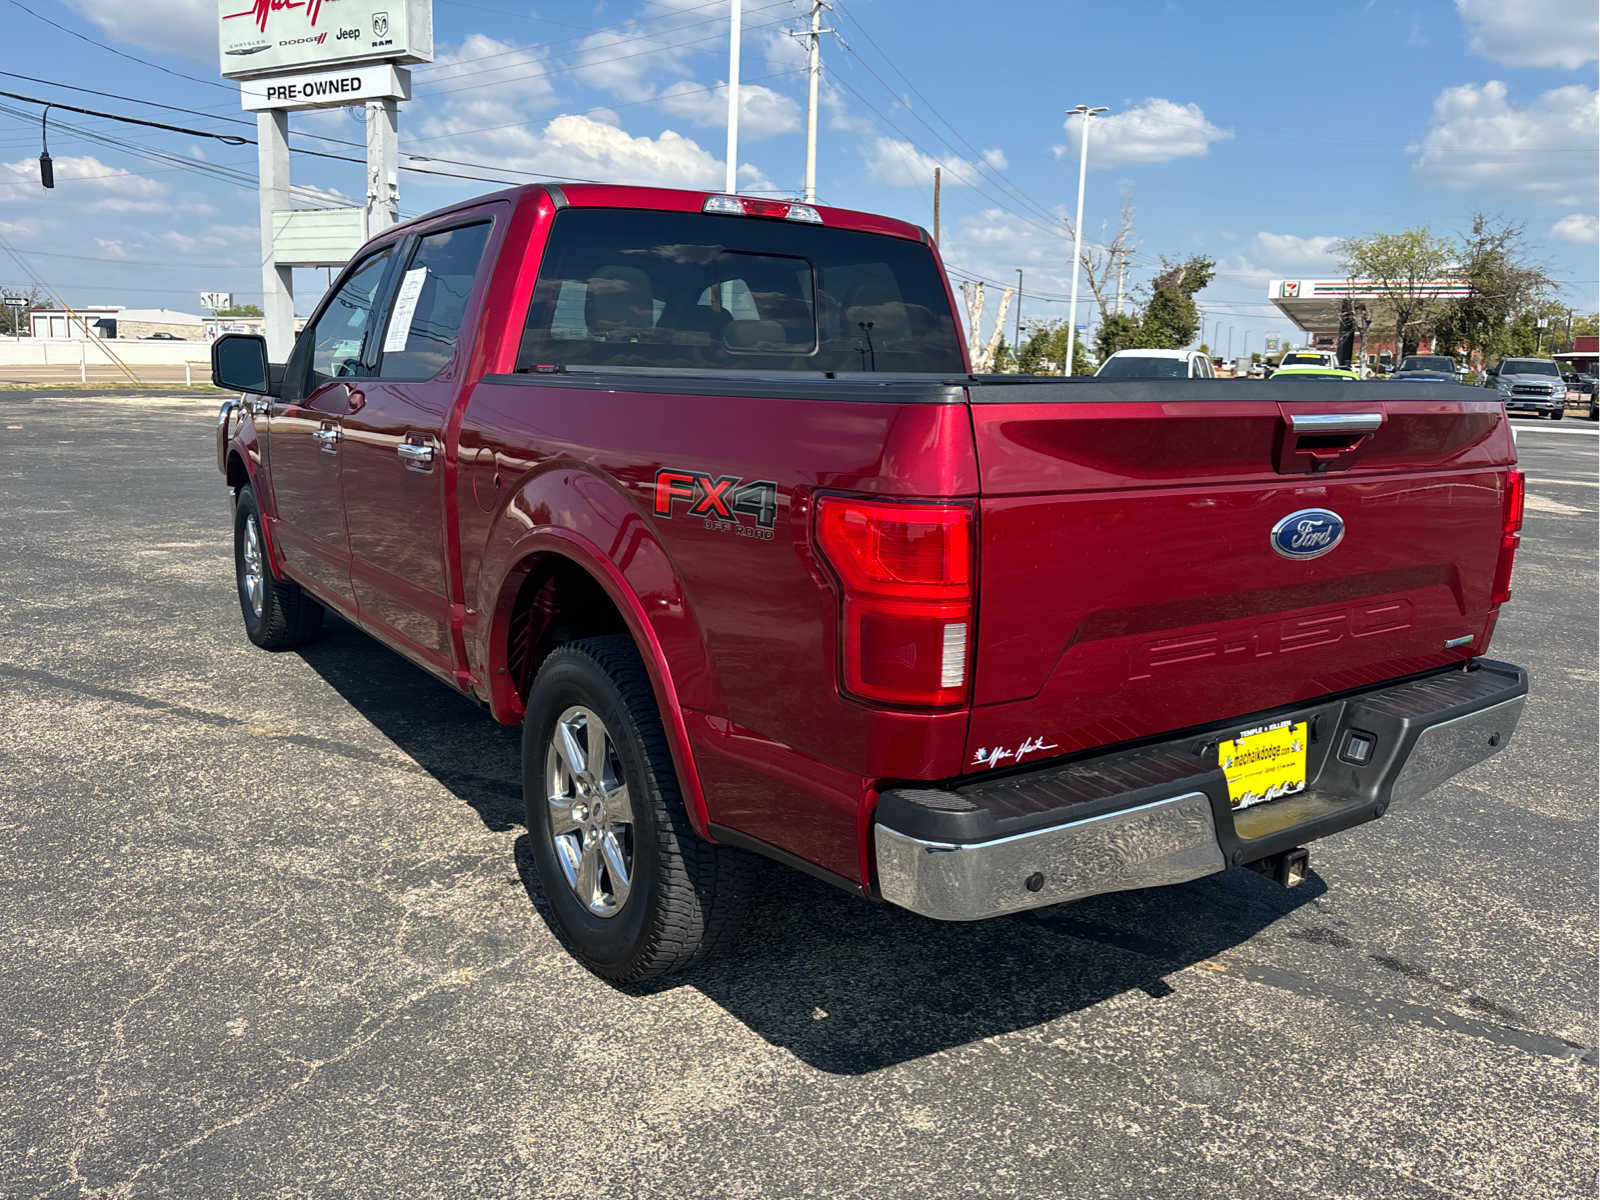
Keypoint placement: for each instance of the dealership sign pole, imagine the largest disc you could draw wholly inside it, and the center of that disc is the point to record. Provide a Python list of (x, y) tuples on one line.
[(320, 55)]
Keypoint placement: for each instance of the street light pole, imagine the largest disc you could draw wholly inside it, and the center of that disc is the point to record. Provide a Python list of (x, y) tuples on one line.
[(1084, 111), (732, 175)]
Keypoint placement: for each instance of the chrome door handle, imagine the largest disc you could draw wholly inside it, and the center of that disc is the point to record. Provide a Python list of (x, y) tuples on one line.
[(414, 452), (1335, 422), (327, 437)]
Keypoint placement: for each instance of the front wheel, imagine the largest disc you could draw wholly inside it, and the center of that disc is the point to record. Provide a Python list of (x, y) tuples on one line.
[(277, 614), (1558, 414), (634, 892)]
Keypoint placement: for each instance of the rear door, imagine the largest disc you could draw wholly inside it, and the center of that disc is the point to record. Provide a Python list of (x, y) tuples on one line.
[(394, 470), (306, 430), (1131, 582)]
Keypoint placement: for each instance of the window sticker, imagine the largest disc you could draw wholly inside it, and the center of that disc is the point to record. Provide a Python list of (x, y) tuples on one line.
[(405, 308)]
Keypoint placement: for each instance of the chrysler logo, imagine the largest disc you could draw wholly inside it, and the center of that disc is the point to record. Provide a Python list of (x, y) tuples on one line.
[(1309, 533)]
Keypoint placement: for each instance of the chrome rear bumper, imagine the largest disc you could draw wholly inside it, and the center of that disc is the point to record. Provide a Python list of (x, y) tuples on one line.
[(1169, 841), (998, 845)]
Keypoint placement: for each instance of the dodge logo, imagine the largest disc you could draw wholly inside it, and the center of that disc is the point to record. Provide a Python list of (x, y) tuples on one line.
[(380, 24)]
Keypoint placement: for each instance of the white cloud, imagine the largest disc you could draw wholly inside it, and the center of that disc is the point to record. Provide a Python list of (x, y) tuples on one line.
[(579, 147), (186, 28), (1286, 250), (994, 243), (99, 186), (900, 164), (1532, 33), (1477, 139), (1156, 131), (762, 111), (613, 61), (111, 248), (1582, 228), (996, 159), (482, 82)]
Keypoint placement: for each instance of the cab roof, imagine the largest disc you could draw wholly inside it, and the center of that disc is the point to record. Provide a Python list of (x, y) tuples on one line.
[(607, 195)]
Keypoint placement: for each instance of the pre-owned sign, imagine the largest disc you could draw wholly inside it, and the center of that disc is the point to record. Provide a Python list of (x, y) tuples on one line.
[(324, 89), (257, 37)]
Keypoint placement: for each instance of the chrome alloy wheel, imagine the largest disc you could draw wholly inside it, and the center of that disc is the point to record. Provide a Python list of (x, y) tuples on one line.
[(255, 578), (591, 813)]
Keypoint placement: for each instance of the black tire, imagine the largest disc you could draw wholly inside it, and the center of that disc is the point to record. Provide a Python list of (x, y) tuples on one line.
[(286, 616), (1558, 414), (686, 896)]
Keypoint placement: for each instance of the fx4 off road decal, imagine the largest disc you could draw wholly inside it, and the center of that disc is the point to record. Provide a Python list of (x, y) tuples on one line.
[(722, 502)]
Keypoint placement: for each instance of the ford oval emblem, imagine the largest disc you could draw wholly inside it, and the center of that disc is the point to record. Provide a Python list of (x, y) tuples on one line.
[(1309, 533)]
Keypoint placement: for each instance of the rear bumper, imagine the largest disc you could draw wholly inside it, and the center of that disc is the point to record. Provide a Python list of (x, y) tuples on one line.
[(1159, 814)]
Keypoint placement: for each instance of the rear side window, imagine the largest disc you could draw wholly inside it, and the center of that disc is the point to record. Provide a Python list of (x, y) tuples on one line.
[(646, 289), (430, 302)]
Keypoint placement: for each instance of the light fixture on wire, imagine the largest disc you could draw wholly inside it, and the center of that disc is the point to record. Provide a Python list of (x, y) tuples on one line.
[(47, 169)]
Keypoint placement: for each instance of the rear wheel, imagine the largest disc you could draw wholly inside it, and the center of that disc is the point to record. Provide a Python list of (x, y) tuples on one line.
[(277, 614), (634, 892)]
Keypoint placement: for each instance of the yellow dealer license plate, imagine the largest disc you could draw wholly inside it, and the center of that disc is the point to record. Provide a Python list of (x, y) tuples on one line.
[(1264, 764)]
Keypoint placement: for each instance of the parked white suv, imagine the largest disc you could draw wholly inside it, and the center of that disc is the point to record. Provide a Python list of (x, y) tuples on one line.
[(1156, 364)]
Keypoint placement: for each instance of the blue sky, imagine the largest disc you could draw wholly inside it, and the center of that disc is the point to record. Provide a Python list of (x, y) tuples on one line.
[(1239, 131)]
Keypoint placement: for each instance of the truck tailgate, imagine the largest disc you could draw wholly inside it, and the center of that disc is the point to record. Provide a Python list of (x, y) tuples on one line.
[(1129, 584)]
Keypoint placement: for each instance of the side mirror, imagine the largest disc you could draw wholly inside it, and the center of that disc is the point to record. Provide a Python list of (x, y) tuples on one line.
[(1492, 372), (239, 363)]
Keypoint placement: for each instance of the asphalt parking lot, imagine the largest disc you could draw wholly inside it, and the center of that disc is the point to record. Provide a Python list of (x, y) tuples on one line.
[(270, 930)]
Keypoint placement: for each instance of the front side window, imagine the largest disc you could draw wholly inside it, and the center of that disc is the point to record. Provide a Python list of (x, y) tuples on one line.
[(650, 289), (340, 331), (430, 303)]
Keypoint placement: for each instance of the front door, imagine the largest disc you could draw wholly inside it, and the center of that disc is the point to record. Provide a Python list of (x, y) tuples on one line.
[(305, 435), (393, 448)]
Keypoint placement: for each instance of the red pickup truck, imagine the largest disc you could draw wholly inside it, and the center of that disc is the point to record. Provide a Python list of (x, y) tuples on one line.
[(698, 490)]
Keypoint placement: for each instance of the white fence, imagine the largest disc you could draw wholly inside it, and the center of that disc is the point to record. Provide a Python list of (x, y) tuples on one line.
[(189, 360)]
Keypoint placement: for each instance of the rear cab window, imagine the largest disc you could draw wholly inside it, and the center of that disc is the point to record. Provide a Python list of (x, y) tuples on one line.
[(621, 287)]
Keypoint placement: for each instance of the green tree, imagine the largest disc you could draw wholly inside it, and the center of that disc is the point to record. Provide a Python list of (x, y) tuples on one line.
[(1044, 348), (1395, 265), (1502, 282), (1522, 336), (240, 310), (1170, 319), (14, 321), (1005, 360), (1118, 331)]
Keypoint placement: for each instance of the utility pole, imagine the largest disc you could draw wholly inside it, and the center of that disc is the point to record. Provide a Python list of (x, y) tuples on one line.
[(1016, 349), (936, 206), (1086, 112), (813, 38), (732, 176)]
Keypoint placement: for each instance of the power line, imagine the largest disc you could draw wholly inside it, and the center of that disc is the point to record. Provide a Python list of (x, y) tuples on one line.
[(230, 138), (119, 53)]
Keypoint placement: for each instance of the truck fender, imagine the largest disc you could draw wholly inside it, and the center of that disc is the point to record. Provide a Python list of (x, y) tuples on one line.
[(516, 561), (244, 447)]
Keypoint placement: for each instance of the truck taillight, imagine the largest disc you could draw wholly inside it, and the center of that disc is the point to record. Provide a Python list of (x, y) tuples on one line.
[(906, 572), (1510, 536)]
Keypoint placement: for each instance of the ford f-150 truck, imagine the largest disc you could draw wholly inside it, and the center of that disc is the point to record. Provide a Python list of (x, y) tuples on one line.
[(699, 491)]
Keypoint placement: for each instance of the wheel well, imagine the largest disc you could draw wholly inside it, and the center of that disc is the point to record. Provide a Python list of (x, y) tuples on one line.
[(558, 602), (238, 477)]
